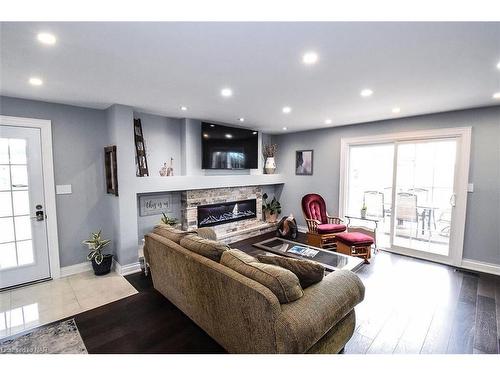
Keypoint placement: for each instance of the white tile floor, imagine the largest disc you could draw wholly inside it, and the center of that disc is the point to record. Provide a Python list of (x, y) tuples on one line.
[(28, 307)]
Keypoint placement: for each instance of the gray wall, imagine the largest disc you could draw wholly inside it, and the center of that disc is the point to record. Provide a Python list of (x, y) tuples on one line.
[(482, 236), (146, 223), (162, 137), (79, 135)]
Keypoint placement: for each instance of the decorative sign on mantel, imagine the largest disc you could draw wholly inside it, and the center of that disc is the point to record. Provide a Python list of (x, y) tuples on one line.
[(154, 204)]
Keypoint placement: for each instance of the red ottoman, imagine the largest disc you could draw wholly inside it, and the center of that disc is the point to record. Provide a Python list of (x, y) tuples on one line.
[(355, 244)]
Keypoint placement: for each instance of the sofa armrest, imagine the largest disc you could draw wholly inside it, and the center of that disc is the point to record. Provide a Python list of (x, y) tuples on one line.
[(303, 322)]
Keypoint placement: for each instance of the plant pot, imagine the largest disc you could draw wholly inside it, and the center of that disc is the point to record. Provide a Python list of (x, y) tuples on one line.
[(105, 266), (270, 165), (271, 218)]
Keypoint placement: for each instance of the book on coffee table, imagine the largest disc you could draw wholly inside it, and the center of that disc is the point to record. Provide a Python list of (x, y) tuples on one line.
[(303, 251)]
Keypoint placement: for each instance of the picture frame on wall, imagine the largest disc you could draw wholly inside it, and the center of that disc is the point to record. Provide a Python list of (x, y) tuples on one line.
[(304, 162), (155, 204), (111, 170)]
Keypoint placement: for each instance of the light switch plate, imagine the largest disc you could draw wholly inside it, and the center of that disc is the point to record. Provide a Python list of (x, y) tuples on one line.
[(470, 187), (63, 189)]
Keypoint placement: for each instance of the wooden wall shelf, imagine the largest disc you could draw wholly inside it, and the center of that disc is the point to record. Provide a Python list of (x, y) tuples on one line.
[(179, 183)]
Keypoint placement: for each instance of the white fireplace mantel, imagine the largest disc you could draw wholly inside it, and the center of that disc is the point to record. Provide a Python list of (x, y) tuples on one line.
[(180, 183)]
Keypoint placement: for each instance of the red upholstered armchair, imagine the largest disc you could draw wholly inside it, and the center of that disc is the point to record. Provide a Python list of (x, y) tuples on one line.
[(321, 226)]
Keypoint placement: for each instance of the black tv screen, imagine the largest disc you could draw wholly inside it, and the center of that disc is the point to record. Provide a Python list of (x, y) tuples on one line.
[(225, 147)]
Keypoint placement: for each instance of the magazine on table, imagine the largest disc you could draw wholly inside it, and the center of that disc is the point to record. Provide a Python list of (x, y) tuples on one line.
[(303, 251)]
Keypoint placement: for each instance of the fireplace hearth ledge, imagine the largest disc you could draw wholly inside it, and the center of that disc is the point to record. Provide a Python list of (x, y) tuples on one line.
[(245, 233)]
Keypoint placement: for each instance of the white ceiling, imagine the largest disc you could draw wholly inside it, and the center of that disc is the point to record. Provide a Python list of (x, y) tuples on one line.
[(157, 67)]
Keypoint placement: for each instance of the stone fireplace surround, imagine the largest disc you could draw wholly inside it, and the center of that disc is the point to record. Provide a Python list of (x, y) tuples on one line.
[(228, 232)]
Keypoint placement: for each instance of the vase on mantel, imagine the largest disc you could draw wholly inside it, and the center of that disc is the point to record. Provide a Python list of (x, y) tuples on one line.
[(270, 165)]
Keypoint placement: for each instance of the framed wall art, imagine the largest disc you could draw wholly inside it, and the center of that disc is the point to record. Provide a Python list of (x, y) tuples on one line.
[(304, 162)]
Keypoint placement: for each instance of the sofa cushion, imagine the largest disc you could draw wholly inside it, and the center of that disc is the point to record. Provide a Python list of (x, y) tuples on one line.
[(169, 232), (307, 271), (331, 228), (282, 282), (208, 248)]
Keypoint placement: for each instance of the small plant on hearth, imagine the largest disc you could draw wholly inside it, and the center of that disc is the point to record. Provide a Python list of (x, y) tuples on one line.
[(271, 209), (168, 220), (100, 262)]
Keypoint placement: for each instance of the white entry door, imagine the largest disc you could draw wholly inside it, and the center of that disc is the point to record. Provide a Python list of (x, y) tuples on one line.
[(24, 254)]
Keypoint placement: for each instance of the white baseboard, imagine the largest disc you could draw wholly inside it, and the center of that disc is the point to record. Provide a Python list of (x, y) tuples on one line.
[(475, 265), (126, 269), (75, 268)]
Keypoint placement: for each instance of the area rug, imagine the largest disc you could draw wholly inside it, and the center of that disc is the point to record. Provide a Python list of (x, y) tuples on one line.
[(56, 338)]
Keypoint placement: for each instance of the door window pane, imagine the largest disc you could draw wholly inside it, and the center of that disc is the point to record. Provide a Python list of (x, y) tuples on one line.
[(17, 148), (21, 202), (19, 177), (25, 252), (425, 178), (4, 177), (22, 224), (4, 151), (369, 187), (8, 255), (5, 204), (6, 229)]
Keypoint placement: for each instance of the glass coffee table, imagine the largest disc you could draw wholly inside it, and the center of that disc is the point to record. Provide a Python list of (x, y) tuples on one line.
[(329, 259)]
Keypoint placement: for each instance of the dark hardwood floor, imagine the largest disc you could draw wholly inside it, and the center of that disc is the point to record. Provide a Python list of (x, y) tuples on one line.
[(411, 306)]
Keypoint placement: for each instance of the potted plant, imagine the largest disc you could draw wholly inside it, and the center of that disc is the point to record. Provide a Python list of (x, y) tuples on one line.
[(101, 263), (363, 211), (172, 221), (271, 209), (270, 153)]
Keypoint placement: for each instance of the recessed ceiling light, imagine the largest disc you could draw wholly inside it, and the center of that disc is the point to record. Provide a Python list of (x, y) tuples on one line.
[(287, 109), (241, 119), (35, 81), (205, 135), (254, 133), (366, 93), (498, 65), (496, 95), (396, 110), (229, 135), (212, 125), (227, 92), (46, 38), (328, 121), (184, 108), (310, 58), (285, 128)]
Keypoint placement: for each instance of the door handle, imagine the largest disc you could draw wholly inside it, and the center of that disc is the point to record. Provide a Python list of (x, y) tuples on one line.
[(453, 200), (39, 214)]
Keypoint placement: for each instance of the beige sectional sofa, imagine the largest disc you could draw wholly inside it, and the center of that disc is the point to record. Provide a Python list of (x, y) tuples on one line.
[(243, 315)]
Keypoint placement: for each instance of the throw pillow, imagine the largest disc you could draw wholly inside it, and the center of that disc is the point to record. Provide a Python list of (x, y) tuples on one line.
[(307, 271), (208, 248), (282, 282), (169, 232), (207, 233)]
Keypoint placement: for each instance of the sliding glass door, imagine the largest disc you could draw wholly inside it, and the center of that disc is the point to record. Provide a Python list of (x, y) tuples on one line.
[(408, 187)]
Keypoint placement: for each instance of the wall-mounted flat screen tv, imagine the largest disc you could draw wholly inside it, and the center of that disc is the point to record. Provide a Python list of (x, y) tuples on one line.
[(225, 147)]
